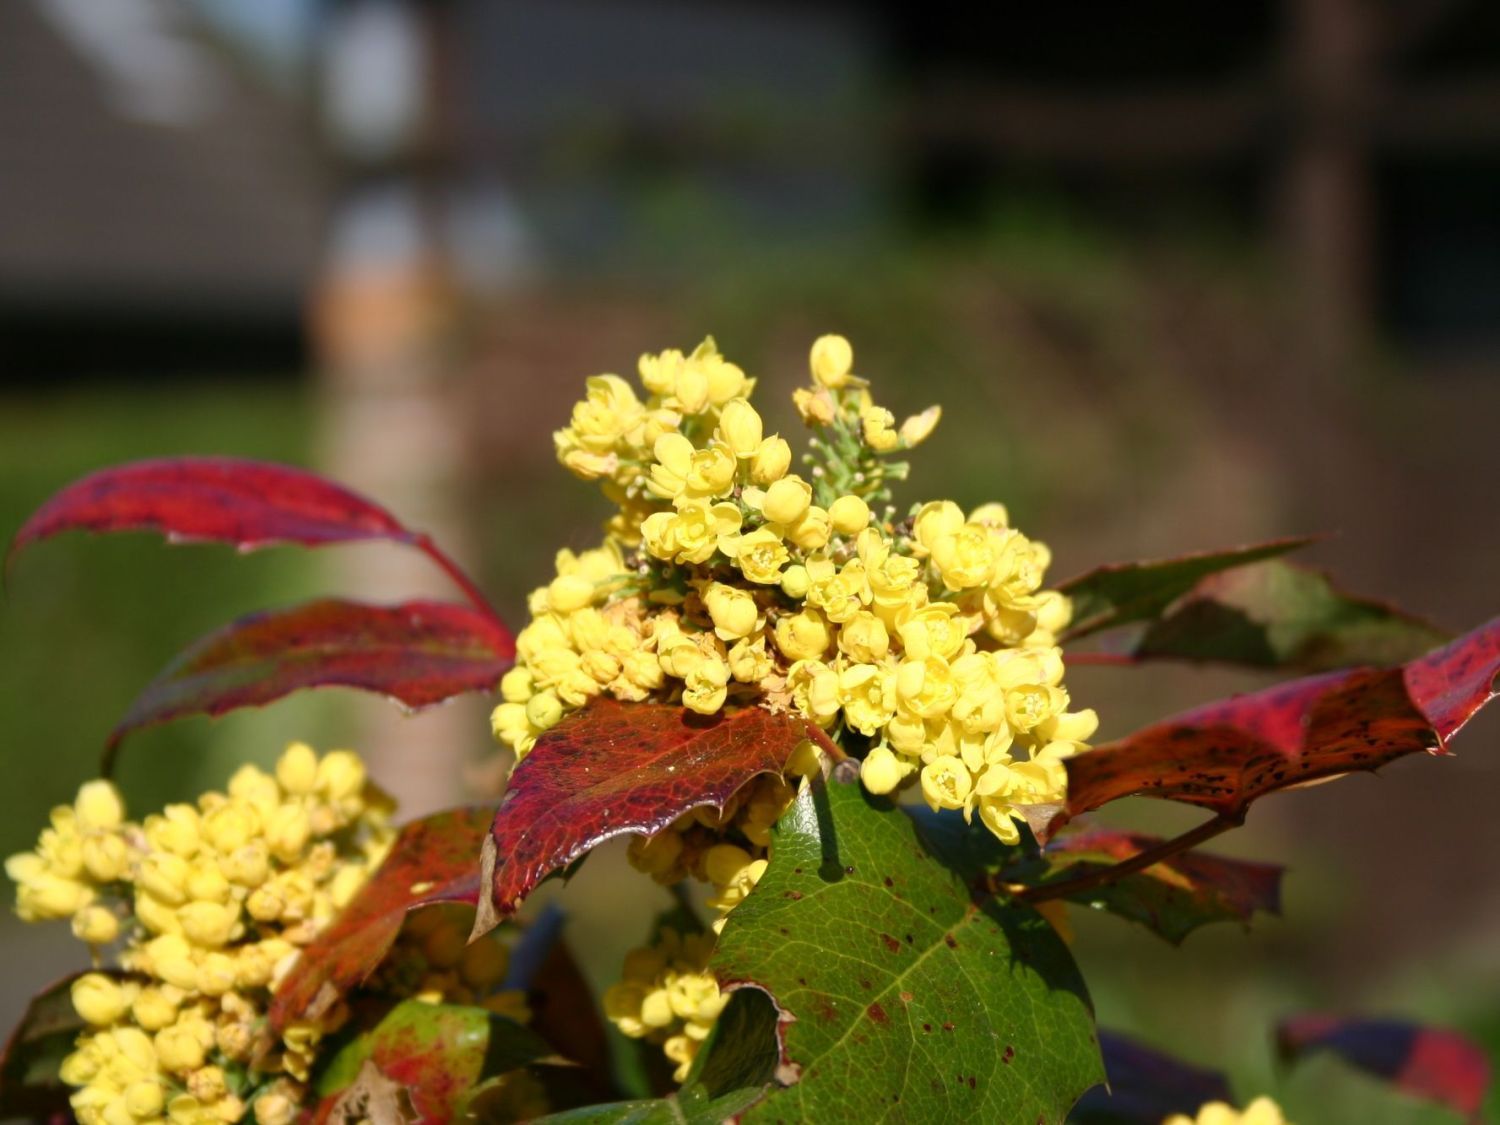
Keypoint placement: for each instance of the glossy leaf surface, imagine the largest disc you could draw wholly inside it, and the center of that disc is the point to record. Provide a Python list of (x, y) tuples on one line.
[(1225, 755), (1275, 614), (418, 653), (902, 996), (214, 499), (613, 768), (1431, 1063), (1122, 593), (29, 1082), (436, 1053), (1172, 898), (433, 860)]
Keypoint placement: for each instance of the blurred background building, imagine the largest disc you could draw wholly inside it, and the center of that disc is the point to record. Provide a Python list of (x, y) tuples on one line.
[(1184, 275)]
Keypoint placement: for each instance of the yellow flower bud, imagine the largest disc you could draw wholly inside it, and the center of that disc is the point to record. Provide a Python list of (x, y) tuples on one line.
[(175, 830), (341, 774), (179, 1049), (811, 531), (515, 685), (98, 806), (98, 1000), (544, 710), (787, 500), (164, 876), (218, 974), (806, 760), (274, 1109), (656, 1009), (832, 360), (875, 426), (248, 865), (172, 960), (880, 772), (96, 925), (157, 916), (863, 638), (210, 924), (207, 1084), (815, 407), (569, 592), (733, 611), (144, 1100), (106, 857), (50, 896), (287, 832), (918, 428), (154, 1009), (740, 428), (849, 515), (803, 636), (297, 769), (794, 582), (773, 457)]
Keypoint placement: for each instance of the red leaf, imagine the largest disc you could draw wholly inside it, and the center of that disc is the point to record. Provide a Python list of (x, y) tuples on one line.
[(1227, 754), (1432, 1063), (433, 860), (214, 499), (418, 652), (1173, 897), (613, 768)]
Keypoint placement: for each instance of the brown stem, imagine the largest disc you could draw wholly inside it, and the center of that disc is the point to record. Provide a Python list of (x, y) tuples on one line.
[(1107, 875)]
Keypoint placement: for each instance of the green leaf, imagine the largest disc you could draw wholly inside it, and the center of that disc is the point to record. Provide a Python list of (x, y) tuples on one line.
[(1174, 897), (1122, 593), (437, 1052), (903, 995), (731, 1072), (1279, 615)]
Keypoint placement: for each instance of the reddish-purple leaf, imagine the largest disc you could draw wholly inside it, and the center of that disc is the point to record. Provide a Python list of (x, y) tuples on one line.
[(433, 860), (1121, 593), (1173, 897), (418, 652), (1145, 1086), (1227, 754), (214, 499), (29, 1083), (1432, 1063), (614, 768)]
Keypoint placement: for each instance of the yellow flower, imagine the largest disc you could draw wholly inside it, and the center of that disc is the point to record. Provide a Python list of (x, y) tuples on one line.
[(733, 611), (875, 426), (868, 694), (1262, 1111), (803, 636), (99, 806), (98, 1000), (787, 501), (773, 457), (880, 772), (918, 428), (849, 515), (760, 556), (832, 360), (740, 428), (863, 638)]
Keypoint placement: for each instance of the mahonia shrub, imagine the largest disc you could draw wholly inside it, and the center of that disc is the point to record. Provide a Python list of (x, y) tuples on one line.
[(831, 721)]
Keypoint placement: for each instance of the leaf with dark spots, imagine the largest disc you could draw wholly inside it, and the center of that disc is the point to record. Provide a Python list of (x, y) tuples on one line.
[(1227, 754), (433, 860), (435, 1053), (29, 1082), (1146, 1086), (613, 768), (214, 499), (862, 1023), (1122, 593), (418, 652), (1174, 897), (1276, 614), (1431, 1063)]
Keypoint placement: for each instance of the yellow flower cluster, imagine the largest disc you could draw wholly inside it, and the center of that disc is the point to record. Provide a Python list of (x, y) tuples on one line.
[(212, 902), (1262, 1111), (668, 996), (926, 641)]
